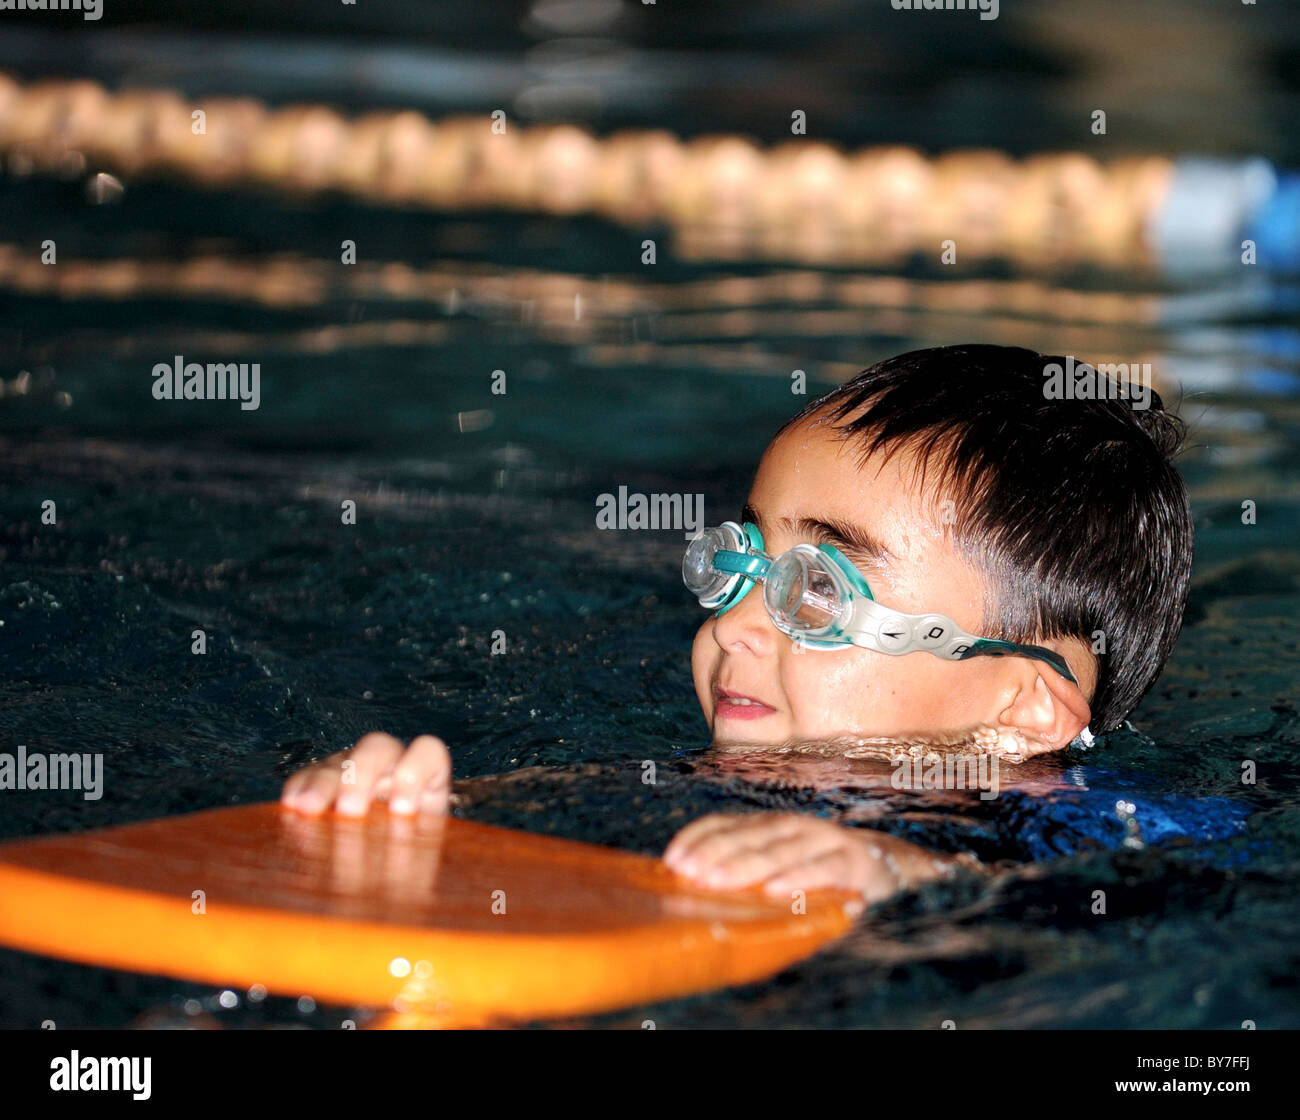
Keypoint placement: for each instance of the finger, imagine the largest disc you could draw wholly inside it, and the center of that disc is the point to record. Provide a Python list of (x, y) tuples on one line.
[(682, 844), (314, 782), (374, 755), (292, 784), (827, 869), (435, 802), (724, 845), (425, 768), (315, 788), (866, 869), (781, 852)]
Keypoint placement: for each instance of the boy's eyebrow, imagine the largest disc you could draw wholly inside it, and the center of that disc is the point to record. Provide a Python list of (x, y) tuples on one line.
[(844, 535)]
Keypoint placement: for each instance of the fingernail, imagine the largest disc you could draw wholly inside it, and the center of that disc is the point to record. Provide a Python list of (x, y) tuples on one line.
[(401, 805), (351, 805)]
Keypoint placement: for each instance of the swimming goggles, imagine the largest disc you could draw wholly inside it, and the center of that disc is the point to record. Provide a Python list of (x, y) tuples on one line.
[(816, 596)]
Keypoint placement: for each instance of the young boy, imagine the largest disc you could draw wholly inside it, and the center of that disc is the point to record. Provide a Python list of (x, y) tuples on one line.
[(935, 548)]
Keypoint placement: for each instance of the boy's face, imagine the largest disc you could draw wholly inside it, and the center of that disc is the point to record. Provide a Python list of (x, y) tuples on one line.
[(811, 695)]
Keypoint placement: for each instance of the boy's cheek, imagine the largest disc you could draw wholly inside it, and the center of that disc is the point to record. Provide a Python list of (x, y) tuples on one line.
[(833, 693), (866, 693), (702, 667), (704, 651)]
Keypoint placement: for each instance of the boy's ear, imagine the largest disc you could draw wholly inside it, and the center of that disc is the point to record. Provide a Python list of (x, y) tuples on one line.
[(1047, 705)]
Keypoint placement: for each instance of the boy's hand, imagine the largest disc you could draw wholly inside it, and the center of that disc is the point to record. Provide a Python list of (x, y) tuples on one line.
[(414, 778), (785, 852)]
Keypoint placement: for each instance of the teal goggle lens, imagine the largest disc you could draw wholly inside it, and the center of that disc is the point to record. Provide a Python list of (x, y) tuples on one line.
[(803, 593)]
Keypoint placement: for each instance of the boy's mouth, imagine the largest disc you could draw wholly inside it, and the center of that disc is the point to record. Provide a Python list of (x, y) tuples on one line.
[(736, 705)]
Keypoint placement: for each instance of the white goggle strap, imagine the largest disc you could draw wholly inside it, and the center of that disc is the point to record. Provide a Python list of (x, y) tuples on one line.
[(877, 627)]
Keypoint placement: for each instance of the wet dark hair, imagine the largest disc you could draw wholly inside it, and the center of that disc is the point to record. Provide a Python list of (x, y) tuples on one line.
[(1071, 508)]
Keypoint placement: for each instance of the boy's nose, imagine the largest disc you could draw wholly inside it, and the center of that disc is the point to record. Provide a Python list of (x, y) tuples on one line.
[(747, 626)]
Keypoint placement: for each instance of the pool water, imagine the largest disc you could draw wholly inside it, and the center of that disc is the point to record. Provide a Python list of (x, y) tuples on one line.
[(475, 514)]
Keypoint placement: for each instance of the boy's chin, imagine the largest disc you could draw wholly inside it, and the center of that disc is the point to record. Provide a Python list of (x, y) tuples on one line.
[(723, 741)]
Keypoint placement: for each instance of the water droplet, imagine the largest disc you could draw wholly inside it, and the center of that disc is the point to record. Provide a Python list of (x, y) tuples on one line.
[(104, 189)]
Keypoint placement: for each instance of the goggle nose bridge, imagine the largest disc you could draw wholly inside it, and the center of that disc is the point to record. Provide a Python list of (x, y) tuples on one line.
[(746, 568), (751, 564)]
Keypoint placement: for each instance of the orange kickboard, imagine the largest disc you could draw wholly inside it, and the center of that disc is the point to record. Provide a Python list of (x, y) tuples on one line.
[(434, 916)]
